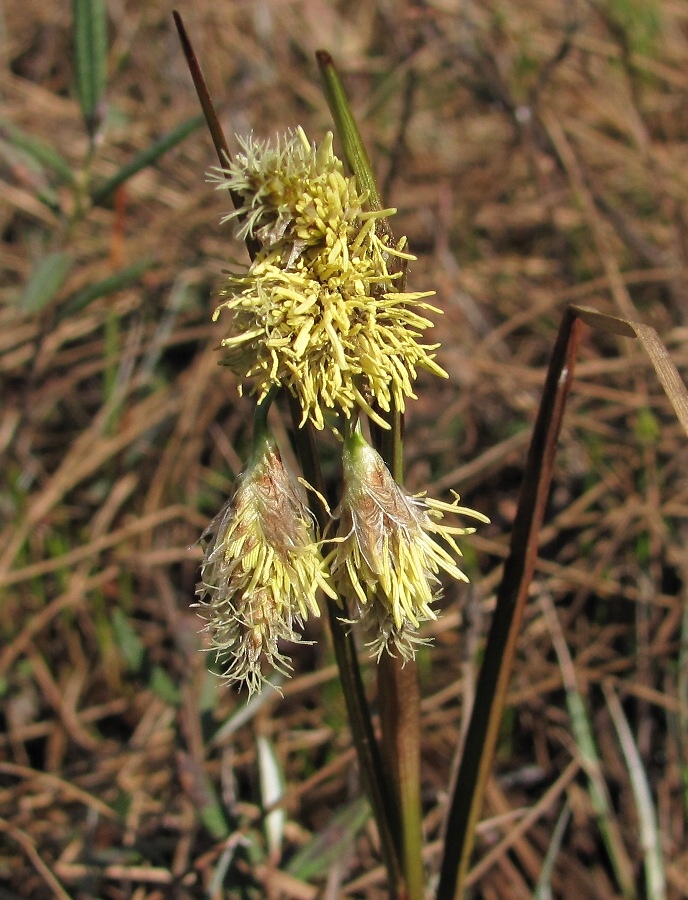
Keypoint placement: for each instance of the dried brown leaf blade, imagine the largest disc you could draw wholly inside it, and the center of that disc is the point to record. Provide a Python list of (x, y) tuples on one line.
[(467, 798), (656, 351)]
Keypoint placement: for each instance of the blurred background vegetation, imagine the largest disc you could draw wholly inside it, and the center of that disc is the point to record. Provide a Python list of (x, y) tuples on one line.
[(538, 156)]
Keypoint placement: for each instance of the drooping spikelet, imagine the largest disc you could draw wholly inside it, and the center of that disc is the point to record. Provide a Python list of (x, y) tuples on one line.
[(261, 572), (387, 557)]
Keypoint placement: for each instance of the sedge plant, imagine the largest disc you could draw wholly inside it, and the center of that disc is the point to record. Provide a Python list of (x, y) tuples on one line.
[(322, 314)]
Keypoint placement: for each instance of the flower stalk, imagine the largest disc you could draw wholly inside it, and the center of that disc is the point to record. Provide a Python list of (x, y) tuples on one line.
[(322, 313), (398, 690)]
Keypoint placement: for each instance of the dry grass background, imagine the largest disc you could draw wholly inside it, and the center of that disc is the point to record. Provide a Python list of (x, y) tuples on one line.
[(538, 154)]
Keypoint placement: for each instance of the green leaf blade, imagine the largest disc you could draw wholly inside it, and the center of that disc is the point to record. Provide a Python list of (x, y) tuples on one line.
[(146, 158), (90, 57), (40, 152), (117, 281), (45, 281)]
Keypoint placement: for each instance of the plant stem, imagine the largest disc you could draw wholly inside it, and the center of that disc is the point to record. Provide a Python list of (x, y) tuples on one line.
[(211, 117), (399, 697), (348, 132), (398, 691), (373, 773)]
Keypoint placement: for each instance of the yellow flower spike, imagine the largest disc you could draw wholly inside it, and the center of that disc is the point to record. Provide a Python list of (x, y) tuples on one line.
[(289, 185), (318, 311), (261, 572), (387, 557)]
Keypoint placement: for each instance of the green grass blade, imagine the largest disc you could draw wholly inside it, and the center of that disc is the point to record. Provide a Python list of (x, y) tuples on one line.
[(37, 149), (590, 760), (543, 889), (347, 130), (163, 686), (650, 839), (115, 282), (128, 641), (90, 57), (331, 843), (211, 813), (45, 281), (146, 158)]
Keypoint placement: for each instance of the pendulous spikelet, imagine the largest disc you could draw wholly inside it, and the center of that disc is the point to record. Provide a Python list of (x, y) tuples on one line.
[(388, 556), (261, 572)]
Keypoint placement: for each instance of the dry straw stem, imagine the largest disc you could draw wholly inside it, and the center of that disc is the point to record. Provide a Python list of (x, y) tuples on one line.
[(657, 353)]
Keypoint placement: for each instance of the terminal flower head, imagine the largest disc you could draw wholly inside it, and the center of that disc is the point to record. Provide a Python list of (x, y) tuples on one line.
[(261, 572), (390, 549), (291, 189), (320, 310)]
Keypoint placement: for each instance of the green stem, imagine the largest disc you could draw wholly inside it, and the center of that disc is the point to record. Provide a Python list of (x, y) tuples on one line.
[(400, 713), (260, 417), (348, 132), (399, 699), (350, 137)]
